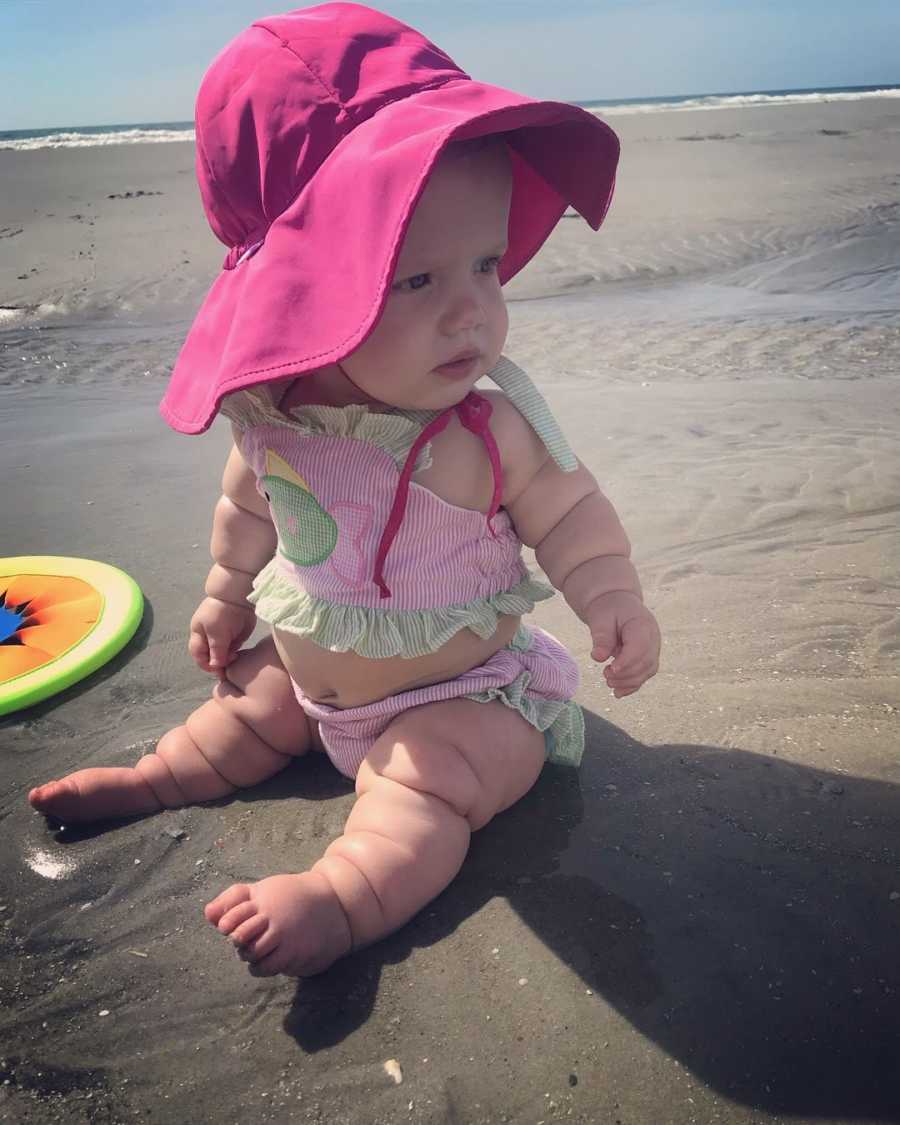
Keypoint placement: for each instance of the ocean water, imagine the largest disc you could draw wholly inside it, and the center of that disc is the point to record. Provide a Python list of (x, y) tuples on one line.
[(748, 99), (163, 132)]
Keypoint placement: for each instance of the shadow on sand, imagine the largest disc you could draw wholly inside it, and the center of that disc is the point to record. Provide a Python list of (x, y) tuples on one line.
[(742, 912), (736, 908)]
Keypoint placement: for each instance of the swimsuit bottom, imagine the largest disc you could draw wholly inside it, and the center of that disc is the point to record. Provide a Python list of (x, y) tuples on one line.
[(534, 675)]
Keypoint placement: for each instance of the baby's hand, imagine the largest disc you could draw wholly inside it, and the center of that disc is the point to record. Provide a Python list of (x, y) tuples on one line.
[(218, 629), (623, 628)]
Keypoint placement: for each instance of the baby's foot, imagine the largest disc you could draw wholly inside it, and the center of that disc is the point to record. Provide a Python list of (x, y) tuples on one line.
[(291, 924), (95, 794)]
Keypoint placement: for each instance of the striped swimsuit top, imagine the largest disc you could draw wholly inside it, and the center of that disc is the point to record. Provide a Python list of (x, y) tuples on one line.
[(367, 558)]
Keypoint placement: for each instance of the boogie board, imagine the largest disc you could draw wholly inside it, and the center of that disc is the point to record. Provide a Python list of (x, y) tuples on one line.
[(60, 620)]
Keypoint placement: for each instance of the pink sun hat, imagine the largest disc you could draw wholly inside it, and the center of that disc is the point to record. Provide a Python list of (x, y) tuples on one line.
[(316, 134)]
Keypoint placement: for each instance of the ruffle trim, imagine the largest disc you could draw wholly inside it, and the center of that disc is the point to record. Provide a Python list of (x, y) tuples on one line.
[(561, 721), (395, 433), (382, 633)]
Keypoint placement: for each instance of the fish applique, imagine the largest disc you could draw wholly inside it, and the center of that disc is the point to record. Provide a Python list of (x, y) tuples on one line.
[(307, 534)]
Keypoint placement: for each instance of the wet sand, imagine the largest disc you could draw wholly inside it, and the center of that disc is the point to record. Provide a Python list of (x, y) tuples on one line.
[(701, 924)]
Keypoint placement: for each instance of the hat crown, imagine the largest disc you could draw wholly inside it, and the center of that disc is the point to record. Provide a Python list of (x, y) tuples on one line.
[(283, 94)]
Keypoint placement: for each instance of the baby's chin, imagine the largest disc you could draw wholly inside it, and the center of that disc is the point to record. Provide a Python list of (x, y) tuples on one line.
[(443, 395)]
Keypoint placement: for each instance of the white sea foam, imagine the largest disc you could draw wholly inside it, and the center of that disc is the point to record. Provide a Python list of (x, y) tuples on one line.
[(165, 133), (91, 140), (742, 101), (12, 314)]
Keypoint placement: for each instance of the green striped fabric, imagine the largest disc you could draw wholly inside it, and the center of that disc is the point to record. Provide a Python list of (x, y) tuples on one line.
[(382, 633), (530, 403)]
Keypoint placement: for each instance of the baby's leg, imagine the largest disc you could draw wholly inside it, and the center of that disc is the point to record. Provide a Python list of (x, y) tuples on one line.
[(248, 731), (439, 772)]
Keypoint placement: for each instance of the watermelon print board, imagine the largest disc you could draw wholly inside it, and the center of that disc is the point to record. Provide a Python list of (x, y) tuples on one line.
[(60, 619)]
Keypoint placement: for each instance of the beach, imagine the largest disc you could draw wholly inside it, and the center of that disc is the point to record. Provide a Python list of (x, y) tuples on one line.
[(699, 925)]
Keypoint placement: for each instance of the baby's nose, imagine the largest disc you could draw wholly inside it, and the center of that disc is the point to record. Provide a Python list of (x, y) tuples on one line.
[(465, 312)]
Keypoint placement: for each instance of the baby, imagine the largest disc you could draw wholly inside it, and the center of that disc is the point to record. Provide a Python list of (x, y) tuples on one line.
[(374, 504)]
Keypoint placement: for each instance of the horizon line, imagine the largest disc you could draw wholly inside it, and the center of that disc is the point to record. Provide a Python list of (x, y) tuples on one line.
[(585, 103)]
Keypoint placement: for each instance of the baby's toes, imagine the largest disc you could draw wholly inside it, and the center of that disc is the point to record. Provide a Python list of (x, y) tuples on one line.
[(261, 953), (55, 798), (236, 895), (268, 963), (247, 934), (244, 914)]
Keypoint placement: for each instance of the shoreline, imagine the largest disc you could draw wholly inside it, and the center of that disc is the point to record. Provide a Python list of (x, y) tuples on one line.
[(93, 245), (659, 103)]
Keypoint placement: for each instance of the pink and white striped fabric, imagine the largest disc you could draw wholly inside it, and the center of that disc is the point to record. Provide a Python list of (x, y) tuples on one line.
[(542, 678), (442, 555)]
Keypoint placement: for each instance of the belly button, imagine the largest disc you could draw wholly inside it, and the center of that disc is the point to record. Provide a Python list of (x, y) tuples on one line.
[(326, 695)]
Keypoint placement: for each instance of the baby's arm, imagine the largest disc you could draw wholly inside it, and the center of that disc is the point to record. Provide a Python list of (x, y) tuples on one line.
[(581, 546), (243, 540)]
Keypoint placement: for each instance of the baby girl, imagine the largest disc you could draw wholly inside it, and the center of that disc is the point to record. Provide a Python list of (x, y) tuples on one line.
[(374, 504)]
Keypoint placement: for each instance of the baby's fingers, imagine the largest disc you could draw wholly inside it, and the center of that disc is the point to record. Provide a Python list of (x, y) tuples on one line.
[(219, 654), (627, 684), (199, 648), (605, 642), (638, 657), (208, 653)]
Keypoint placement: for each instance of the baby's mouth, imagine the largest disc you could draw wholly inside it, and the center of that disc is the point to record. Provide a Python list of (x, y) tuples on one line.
[(460, 367)]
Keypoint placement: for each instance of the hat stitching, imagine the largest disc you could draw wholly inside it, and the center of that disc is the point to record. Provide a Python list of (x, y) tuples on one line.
[(286, 43), (234, 250), (238, 252), (420, 88), (201, 151), (223, 195)]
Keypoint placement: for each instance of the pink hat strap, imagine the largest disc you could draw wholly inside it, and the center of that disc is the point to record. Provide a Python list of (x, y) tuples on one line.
[(474, 413)]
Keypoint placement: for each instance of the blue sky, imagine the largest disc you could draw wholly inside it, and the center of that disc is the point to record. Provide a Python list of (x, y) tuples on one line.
[(114, 61)]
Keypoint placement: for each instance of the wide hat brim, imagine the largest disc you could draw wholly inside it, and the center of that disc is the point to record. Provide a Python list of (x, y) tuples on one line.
[(315, 288)]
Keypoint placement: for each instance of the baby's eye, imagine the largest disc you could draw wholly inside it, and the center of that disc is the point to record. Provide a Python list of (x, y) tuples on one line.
[(411, 284), (488, 265)]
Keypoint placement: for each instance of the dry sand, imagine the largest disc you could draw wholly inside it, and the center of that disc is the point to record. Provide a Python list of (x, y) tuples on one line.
[(702, 924)]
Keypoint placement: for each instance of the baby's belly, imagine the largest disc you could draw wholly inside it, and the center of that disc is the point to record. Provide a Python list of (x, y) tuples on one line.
[(345, 679)]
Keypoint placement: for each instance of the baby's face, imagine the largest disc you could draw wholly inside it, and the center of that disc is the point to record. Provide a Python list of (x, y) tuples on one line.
[(445, 301)]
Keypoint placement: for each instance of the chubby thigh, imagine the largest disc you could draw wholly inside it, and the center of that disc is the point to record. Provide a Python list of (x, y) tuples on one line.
[(258, 698), (478, 758), (435, 775)]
